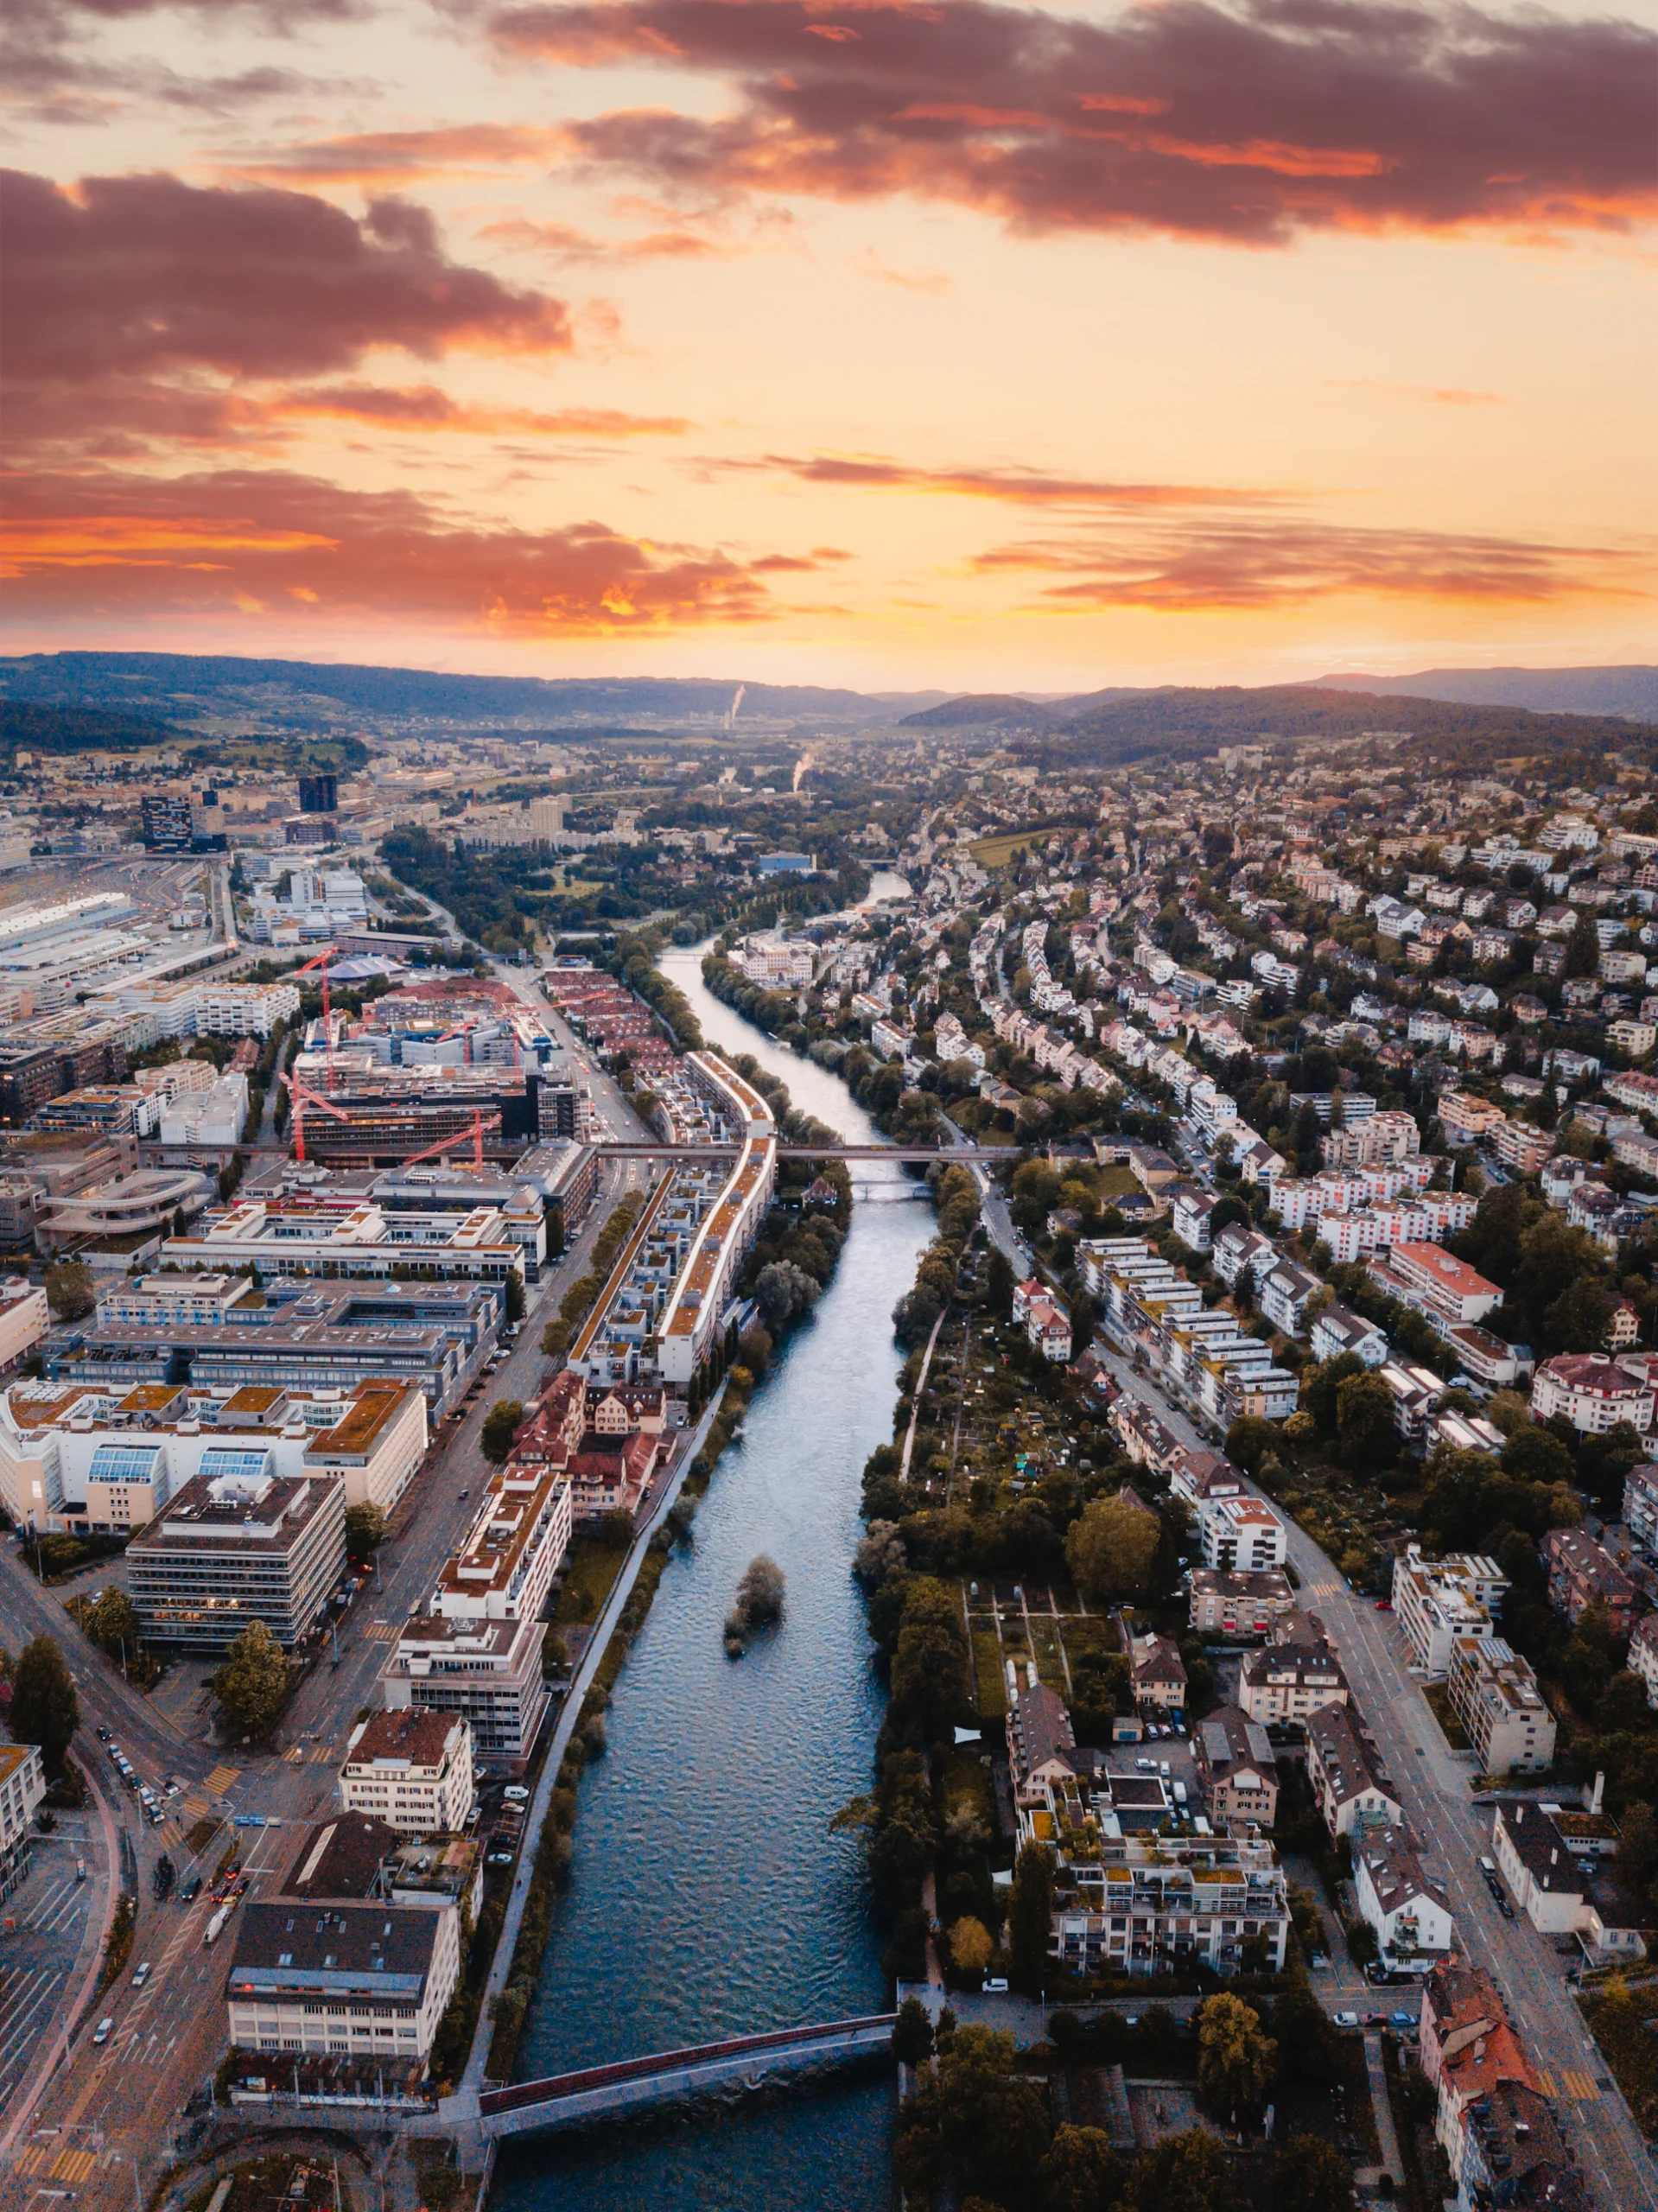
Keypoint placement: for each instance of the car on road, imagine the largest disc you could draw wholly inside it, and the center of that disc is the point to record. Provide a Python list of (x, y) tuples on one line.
[(191, 1891), (102, 1734), (1505, 1908), (104, 2029), (1384, 1604), (141, 1975)]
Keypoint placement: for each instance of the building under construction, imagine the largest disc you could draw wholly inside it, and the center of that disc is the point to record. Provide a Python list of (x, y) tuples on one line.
[(376, 1119)]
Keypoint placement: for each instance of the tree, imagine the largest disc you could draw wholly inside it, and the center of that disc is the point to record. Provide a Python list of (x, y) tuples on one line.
[(44, 1707), (1310, 2175), (1187, 2173), (500, 1426), (1364, 1420), (1234, 2058), (782, 1292), (970, 1946), (929, 1674), (994, 2121), (1110, 1548), (999, 1283), (69, 1290), (1030, 1915), (113, 1622), (1082, 2172), (253, 1684), (514, 1290), (912, 2033), (1248, 1440), (364, 1530)]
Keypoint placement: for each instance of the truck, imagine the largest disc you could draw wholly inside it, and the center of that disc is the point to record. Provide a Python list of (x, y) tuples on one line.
[(215, 1927)]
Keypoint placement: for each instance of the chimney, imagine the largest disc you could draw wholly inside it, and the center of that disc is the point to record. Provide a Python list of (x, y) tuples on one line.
[(1595, 1794)]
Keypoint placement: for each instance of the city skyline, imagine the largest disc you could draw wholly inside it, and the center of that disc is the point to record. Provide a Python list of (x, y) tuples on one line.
[(954, 346)]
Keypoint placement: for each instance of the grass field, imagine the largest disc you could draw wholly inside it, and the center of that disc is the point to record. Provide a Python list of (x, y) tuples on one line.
[(989, 1682), (594, 1566), (1438, 1699)]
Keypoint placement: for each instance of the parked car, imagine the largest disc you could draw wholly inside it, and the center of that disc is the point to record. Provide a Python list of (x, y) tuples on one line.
[(1404, 2021), (500, 1859), (1384, 1604), (1346, 2019), (1505, 1908), (515, 1794), (141, 1975)]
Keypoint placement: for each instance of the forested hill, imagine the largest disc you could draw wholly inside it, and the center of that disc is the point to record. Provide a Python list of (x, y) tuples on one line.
[(306, 695)]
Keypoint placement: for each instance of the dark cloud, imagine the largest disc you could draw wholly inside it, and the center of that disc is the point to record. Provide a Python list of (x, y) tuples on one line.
[(1248, 125), (1190, 565), (119, 545), (136, 304)]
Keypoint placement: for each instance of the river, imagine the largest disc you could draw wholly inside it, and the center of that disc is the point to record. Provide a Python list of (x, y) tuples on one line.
[(708, 1896)]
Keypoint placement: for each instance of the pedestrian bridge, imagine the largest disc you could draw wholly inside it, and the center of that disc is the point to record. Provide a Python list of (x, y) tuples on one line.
[(603, 2091)]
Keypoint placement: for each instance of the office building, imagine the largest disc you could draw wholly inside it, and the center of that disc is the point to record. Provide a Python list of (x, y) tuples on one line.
[(239, 1544), (22, 1791), (367, 1981)]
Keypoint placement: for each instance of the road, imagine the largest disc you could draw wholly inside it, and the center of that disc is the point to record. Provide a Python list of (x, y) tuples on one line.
[(126, 2100), (1452, 1833)]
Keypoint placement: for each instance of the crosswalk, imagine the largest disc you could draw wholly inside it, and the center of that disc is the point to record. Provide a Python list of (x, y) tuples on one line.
[(380, 1632), (223, 1779), (55, 2164)]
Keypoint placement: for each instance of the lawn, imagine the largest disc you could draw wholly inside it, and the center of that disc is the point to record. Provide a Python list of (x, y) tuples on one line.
[(592, 1567)]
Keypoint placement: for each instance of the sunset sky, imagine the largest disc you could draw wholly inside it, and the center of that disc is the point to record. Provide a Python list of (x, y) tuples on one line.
[(940, 343)]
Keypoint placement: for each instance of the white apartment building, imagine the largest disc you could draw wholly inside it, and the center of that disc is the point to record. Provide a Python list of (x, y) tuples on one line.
[(1436, 1601), (1414, 1927), (1593, 1392), (22, 1788), (488, 1670), (1240, 1533), (1289, 1682), (1344, 1773), (358, 1980), (215, 1116), (1494, 1693), (506, 1562), (411, 1768)]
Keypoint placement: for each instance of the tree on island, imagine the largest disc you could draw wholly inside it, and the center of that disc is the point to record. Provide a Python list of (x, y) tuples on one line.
[(758, 1603)]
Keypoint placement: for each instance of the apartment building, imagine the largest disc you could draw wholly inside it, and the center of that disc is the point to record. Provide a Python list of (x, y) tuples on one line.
[(1336, 1330), (236, 1545), (1581, 1573), (367, 1981), (1283, 1685), (487, 1671), (1494, 1695), (1156, 1904), (1345, 1775), (1641, 1504), (1593, 1392), (22, 1790), (1413, 1926), (24, 1321), (1238, 1602), (1236, 1767), (1547, 1855), (1444, 1289), (1240, 1533), (1436, 1601), (505, 1567), (411, 1768)]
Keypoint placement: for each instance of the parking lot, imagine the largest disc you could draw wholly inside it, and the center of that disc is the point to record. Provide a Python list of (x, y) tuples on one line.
[(43, 1924)]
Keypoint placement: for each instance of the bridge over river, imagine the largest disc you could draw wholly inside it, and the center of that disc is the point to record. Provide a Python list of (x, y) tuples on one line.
[(631, 2084)]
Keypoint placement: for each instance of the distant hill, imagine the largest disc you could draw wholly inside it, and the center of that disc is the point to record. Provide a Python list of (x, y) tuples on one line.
[(985, 711), (1190, 724), (300, 695), (1630, 690)]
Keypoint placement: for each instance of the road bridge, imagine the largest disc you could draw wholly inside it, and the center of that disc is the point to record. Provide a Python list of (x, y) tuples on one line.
[(602, 2092), (967, 1155)]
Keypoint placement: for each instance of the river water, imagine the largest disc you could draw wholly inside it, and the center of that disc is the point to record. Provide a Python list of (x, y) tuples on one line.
[(708, 1896)]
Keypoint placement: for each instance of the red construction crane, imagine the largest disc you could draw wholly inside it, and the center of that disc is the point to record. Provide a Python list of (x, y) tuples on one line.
[(321, 960), (480, 1121), (302, 1098)]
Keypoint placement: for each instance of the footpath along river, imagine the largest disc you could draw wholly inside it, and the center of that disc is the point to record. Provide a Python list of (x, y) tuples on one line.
[(708, 1896)]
